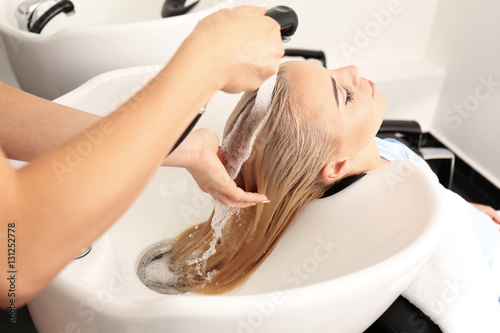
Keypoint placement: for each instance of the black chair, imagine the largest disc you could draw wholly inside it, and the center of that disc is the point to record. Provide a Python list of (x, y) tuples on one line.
[(402, 316)]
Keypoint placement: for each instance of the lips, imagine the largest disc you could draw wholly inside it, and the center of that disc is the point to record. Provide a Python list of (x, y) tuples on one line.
[(374, 87)]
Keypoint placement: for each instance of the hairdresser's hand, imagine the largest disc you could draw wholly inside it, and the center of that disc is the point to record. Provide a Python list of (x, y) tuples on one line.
[(488, 210), (198, 153), (241, 45)]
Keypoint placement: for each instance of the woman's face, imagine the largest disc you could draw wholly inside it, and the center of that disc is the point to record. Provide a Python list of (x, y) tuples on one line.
[(351, 104)]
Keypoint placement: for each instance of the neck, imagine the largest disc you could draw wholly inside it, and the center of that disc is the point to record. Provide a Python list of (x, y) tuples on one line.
[(366, 160)]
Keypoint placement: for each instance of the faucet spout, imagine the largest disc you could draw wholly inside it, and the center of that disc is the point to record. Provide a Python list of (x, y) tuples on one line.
[(33, 15)]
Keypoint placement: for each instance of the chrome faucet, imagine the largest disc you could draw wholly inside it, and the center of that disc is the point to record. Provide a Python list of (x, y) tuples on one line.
[(33, 15)]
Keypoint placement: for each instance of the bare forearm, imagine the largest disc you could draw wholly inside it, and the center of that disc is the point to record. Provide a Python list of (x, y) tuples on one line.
[(31, 126), (86, 185)]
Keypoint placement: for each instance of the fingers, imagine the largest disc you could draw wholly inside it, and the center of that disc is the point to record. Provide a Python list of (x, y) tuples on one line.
[(496, 217), (258, 10), (232, 203), (237, 198), (249, 198), (212, 177)]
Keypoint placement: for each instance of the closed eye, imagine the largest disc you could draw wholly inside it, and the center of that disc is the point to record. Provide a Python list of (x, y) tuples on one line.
[(349, 95)]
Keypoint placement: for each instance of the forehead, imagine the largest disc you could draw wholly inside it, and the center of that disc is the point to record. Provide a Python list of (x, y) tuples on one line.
[(310, 85)]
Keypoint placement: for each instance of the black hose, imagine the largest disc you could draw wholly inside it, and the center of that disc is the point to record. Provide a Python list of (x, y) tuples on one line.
[(186, 132), (176, 8), (63, 6)]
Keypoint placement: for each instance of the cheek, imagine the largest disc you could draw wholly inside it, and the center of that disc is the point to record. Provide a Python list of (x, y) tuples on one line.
[(365, 114), (360, 124), (367, 122)]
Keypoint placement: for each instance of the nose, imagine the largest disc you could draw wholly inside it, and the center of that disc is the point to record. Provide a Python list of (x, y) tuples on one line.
[(348, 74), (353, 73)]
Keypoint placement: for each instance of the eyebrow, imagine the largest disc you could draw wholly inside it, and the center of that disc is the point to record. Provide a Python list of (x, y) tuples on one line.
[(335, 91)]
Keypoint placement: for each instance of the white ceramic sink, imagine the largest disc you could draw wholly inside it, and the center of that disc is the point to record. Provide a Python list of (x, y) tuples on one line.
[(101, 36), (342, 262)]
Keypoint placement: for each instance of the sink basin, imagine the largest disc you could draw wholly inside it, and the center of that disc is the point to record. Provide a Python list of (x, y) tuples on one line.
[(101, 36), (341, 263)]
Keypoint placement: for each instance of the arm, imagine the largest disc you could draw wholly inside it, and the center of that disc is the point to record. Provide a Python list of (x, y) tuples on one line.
[(45, 125), (488, 210), (67, 197)]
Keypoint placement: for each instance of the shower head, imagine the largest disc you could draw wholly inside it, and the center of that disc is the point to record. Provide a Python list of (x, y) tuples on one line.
[(287, 19)]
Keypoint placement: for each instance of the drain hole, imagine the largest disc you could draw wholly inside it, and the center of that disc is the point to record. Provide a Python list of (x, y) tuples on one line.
[(154, 269)]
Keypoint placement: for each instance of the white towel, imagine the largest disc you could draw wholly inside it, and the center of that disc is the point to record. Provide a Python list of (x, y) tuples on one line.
[(455, 287)]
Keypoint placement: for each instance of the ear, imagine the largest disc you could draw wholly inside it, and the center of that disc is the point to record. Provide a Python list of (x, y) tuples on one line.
[(334, 171)]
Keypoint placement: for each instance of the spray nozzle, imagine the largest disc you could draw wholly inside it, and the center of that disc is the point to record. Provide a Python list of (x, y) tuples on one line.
[(287, 19)]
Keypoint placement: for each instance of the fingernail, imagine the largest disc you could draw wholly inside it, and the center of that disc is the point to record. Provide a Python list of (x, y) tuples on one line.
[(265, 201)]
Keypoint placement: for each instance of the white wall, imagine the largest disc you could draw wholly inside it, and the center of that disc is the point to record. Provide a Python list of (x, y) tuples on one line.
[(363, 32), (465, 41)]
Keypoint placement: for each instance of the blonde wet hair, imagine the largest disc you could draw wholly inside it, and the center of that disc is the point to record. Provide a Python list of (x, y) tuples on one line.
[(287, 156)]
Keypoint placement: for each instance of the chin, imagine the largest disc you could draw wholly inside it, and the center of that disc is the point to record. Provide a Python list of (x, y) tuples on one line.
[(379, 100)]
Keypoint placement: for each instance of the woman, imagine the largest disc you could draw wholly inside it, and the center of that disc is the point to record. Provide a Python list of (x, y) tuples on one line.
[(85, 171), (321, 129)]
